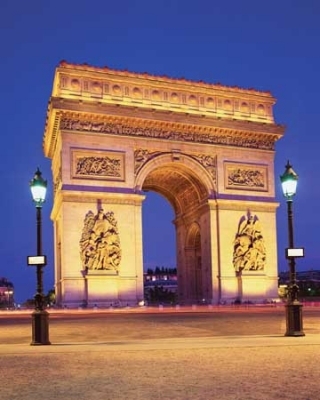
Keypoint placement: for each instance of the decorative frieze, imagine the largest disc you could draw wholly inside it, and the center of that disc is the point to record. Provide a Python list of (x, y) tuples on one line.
[(246, 177), (107, 165), (141, 156), (78, 125), (209, 163)]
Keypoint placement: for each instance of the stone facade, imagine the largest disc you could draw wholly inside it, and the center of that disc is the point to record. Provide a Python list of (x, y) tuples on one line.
[(209, 149)]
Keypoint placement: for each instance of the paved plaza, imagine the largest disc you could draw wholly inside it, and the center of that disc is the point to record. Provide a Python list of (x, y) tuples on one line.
[(201, 353)]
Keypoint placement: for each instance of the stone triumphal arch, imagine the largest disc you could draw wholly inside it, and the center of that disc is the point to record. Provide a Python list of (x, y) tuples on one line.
[(207, 148)]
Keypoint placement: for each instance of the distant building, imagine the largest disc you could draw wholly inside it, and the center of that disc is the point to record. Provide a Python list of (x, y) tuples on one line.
[(308, 282), (6, 293), (160, 285)]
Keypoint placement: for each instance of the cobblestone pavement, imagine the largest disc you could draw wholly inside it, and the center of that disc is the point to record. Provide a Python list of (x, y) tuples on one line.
[(204, 353)]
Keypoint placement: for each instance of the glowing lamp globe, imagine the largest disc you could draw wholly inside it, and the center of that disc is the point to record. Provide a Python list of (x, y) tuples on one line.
[(38, 188), (289, 181)]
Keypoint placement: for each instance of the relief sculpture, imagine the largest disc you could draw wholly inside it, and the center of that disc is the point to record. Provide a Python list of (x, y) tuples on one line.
[(129, 130), (100, 243), (251, 178), (210, 164), (141, 156), (101, 166), (249, 253)]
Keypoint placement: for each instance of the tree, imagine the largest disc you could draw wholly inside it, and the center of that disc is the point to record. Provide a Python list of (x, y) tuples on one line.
[(50, 297), (160, 295)]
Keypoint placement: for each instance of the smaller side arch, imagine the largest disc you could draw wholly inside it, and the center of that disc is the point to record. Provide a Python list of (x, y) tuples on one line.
[(193, 267), (193, 236)]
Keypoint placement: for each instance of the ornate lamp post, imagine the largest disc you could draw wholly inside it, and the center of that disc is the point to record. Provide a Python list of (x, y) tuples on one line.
[(294, 323), (40, 317)]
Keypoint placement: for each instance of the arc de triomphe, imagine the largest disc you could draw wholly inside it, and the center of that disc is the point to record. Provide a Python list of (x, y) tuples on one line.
[(207, 148)]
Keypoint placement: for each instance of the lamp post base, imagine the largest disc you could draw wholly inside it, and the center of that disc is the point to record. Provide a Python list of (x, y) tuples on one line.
[(294, 322), (40, 328)]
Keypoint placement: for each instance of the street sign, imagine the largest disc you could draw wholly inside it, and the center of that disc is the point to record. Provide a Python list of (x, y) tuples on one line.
[(297, 252), (37, 260)]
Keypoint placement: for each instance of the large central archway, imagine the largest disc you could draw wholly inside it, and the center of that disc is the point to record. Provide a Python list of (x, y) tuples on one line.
[(208, 149), (183, 183)]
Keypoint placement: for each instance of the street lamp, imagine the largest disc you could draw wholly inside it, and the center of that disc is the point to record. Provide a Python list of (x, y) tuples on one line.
[(40, 317), (294, 323)]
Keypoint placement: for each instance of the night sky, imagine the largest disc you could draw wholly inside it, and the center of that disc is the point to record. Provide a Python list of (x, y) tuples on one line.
[(271, 45)]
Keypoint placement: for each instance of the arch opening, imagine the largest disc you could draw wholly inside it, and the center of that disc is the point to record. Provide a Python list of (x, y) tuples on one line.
[(188, 195), (180, 186)]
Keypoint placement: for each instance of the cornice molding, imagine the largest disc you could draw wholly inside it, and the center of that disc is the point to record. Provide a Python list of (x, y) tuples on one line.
[(98, 110), (245, 205), (68, 115), (86, 196)]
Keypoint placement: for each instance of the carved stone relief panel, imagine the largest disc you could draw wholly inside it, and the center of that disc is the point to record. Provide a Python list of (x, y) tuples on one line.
[(249, 252), (141, 156), (107, 165), (100, 243), (209, 163), (246, 177)]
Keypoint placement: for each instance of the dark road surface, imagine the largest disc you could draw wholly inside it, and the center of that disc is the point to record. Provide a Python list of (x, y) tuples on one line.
[(151, 323)]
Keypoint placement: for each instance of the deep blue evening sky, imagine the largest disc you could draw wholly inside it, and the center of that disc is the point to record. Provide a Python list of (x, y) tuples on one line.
[(269, 45)]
